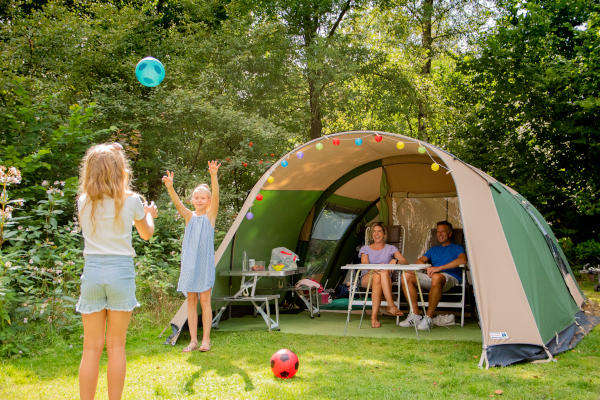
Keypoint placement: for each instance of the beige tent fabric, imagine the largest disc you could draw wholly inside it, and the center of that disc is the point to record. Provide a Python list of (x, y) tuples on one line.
[(418, 178), (363, 187), (318, 169), (412, 174), (501, 299), (180, 317), (572, 285)]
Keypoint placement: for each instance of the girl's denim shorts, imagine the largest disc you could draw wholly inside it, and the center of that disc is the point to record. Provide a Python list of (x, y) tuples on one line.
[(107, 282)]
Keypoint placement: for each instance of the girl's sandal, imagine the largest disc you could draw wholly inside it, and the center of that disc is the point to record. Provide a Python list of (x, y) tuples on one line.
[(205, 347), (190, 347)]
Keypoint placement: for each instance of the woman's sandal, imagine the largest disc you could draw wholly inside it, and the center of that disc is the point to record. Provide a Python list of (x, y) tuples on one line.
[(375, 324), (397, 313), (205, 347), (190, 347)]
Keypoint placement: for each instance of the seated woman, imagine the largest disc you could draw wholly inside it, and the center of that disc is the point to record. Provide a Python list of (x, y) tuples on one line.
[(378, 252)]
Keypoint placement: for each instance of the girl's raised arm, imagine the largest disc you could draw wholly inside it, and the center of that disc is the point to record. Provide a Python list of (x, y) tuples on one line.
[(213, 168), (145, 226), (181, 209)]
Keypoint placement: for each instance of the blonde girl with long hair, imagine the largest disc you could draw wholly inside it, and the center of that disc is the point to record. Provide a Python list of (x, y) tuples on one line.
[(197, 275), (107, 210)]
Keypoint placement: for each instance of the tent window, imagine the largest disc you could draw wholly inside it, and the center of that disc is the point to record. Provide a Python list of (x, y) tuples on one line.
[(331, 225), (328, 230), (419, 216)]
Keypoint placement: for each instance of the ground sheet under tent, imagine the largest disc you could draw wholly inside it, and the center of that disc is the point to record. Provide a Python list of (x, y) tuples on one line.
[(332, 324)]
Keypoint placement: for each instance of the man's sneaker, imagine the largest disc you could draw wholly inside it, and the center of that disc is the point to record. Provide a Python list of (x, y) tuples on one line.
[(411, 320), (425, 323), (444, 320)]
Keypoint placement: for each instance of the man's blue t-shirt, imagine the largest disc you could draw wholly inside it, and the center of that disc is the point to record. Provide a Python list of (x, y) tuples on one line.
[(442, 255)]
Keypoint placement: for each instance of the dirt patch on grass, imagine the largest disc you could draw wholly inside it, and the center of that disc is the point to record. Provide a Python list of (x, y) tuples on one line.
[(591, 307)]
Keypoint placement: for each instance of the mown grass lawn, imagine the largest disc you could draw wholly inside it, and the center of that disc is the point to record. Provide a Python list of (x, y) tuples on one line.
[(330, 368)]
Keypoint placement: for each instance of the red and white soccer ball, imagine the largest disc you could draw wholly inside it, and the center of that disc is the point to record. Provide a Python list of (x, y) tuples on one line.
[(284, 363)]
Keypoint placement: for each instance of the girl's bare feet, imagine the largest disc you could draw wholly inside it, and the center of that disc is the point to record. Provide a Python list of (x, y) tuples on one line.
[(375, 324)]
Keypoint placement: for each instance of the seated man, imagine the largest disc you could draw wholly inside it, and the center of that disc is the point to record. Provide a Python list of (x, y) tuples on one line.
[(441, 276)]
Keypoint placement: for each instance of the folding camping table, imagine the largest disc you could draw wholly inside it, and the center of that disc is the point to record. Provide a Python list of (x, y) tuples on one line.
[(354, 274), (247, 293), (593, 271)]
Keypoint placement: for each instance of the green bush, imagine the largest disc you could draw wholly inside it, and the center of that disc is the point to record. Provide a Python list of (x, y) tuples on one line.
[(40, 269), (588, 252), (157, 261)]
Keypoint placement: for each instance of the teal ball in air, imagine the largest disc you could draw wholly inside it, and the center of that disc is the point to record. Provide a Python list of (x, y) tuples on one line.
[(150, 72)]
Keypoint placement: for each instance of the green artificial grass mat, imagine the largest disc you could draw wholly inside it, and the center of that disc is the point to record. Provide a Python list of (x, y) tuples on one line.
[(332, 324), (341, 304)]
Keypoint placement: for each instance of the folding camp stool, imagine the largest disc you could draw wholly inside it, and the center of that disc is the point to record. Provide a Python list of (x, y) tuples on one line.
[(247, 293), (263, 309), (312, 306)]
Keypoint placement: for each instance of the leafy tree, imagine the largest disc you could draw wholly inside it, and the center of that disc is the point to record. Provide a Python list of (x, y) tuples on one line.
[(531, 100), (322, 47)]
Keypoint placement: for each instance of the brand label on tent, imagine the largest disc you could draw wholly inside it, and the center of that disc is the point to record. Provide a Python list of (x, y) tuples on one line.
[(498, 335)]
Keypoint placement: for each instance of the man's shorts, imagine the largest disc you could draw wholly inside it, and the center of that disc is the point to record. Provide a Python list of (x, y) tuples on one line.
[(107, 282), (425, 281)]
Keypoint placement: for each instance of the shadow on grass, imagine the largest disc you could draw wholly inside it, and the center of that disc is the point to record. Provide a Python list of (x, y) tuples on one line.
[(62, 360), (221, 364)]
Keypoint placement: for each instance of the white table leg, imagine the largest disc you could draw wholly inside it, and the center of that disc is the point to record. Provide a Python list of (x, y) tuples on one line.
[(365, 301), (410, 300), (353, 280), (277, 312), (398, 298), (268, 314), (254, 281), (312, 309), (271, 325), (420, 294)]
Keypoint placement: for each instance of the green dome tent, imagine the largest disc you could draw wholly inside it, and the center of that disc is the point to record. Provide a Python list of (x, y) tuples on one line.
[(528, 302)]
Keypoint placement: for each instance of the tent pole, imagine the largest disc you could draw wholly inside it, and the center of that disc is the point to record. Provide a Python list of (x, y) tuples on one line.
[(483, 359), (550, 356)]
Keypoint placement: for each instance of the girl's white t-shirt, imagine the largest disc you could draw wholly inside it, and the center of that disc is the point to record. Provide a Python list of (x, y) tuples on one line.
[(109, 237)]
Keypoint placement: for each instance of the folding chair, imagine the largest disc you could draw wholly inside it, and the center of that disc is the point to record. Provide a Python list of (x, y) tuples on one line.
[(456, 296), (396, 237)]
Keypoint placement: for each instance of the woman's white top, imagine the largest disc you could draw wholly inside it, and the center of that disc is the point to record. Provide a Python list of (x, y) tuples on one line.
[(109, 238)]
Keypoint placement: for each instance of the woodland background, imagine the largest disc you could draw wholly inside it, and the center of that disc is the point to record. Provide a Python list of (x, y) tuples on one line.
[(512, 87)]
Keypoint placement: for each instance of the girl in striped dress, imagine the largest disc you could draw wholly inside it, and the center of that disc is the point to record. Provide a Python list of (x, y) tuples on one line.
[(197, 275)]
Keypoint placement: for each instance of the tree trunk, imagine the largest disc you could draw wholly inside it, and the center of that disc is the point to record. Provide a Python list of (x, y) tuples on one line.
[(427, 43), (310, 28), (316, 125), (194, 163)]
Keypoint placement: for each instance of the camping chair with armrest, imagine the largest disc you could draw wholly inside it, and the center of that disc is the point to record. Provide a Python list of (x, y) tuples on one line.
[(454, 297), (395, 237)]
